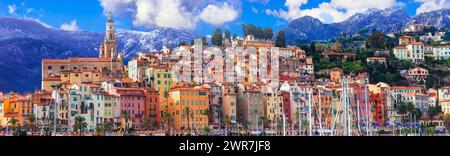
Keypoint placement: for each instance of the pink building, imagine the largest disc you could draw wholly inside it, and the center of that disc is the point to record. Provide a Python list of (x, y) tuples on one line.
[(132, 101)]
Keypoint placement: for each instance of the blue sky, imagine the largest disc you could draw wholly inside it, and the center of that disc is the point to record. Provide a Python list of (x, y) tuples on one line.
[(201, 16)]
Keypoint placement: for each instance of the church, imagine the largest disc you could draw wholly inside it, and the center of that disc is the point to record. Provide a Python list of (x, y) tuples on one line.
[(66, 72)]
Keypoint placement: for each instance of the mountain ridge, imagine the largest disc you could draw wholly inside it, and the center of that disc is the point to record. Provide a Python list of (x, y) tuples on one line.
[(308, 28), (25, 42)]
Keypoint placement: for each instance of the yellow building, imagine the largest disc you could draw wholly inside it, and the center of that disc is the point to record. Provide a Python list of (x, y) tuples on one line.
[(229, 103), (18, 107), (194, 98), (273, 107), (161, 79)]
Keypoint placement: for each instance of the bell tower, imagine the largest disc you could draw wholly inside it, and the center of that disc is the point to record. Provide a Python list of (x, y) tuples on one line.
[(109, 44)]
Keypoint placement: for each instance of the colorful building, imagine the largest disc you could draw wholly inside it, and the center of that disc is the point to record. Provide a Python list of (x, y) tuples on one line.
[(132, 102), (193, 99)]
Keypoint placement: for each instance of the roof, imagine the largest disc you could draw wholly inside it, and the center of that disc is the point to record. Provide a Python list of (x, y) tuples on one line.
[(77, 59), (406, 37), (406, 87), (445, 87), (131, 89), (417, 43), (90, 85), (376, 58), (400, 47)]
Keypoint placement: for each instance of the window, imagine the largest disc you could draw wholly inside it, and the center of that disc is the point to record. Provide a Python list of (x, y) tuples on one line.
[(87, 75), (76, 75), (62, 67), (49, 67)]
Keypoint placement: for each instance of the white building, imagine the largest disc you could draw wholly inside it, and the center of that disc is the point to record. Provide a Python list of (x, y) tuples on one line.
[(441, 52), (414, 52)]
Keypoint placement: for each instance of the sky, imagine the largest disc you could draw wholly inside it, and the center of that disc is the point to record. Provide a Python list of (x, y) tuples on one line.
[(200, 16)]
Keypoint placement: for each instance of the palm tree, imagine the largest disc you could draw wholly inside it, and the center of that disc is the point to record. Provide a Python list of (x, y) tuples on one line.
[(209, 113), (168, 119), (99, 129), (126, 118), (148, 124), (32, 123), (188, 113), (447, 122), (206, 130), (13, 124), (404, 108), (433, 111), (79, 124), (107, 126), (263, 121)]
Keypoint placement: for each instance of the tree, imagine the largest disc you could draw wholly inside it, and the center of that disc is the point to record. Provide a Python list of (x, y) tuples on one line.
[(447, 122), (168, 120), (188, 114), (259, 33), (32, 123), (281, 39), (404, 108), (376, 40), (125, 116), (206, 130), (182, 44), (217, 37), (209, 113), (79, 124), (363, 32), (249, 29), (108, 126), (227, 35), (148, 124), (337, 47), (13, 124), (234, 36), (432, 112), (268, 33), (204, 42)]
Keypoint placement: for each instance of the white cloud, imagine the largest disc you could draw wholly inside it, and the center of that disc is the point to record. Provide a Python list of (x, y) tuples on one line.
[(72, 26), (12, 9), (431, 5), (330, 12), (254, 10), (173, 13), (226, 13)]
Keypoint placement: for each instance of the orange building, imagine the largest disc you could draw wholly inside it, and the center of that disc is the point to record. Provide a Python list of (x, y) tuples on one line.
[(19, 107), (336, 75), (194, 98)]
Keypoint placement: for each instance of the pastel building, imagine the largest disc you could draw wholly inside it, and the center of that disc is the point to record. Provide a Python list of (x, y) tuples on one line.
[(133, 102), (414, 51), (229, 103), (194, 98), (441, 52), (251, 106)]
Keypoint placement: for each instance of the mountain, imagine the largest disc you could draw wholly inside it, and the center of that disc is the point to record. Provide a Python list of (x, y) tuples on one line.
[(439, 19), (309, 28), (24, 43), (388, 20)]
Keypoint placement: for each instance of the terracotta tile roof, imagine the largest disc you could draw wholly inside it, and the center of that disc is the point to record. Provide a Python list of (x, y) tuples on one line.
[(417, 43), (55, 61), (406, 87), (400, 47), (376, 58)]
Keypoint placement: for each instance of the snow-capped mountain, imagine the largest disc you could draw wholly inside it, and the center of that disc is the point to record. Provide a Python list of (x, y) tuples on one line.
[(24, 43), (388, 20), (439, 19)]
